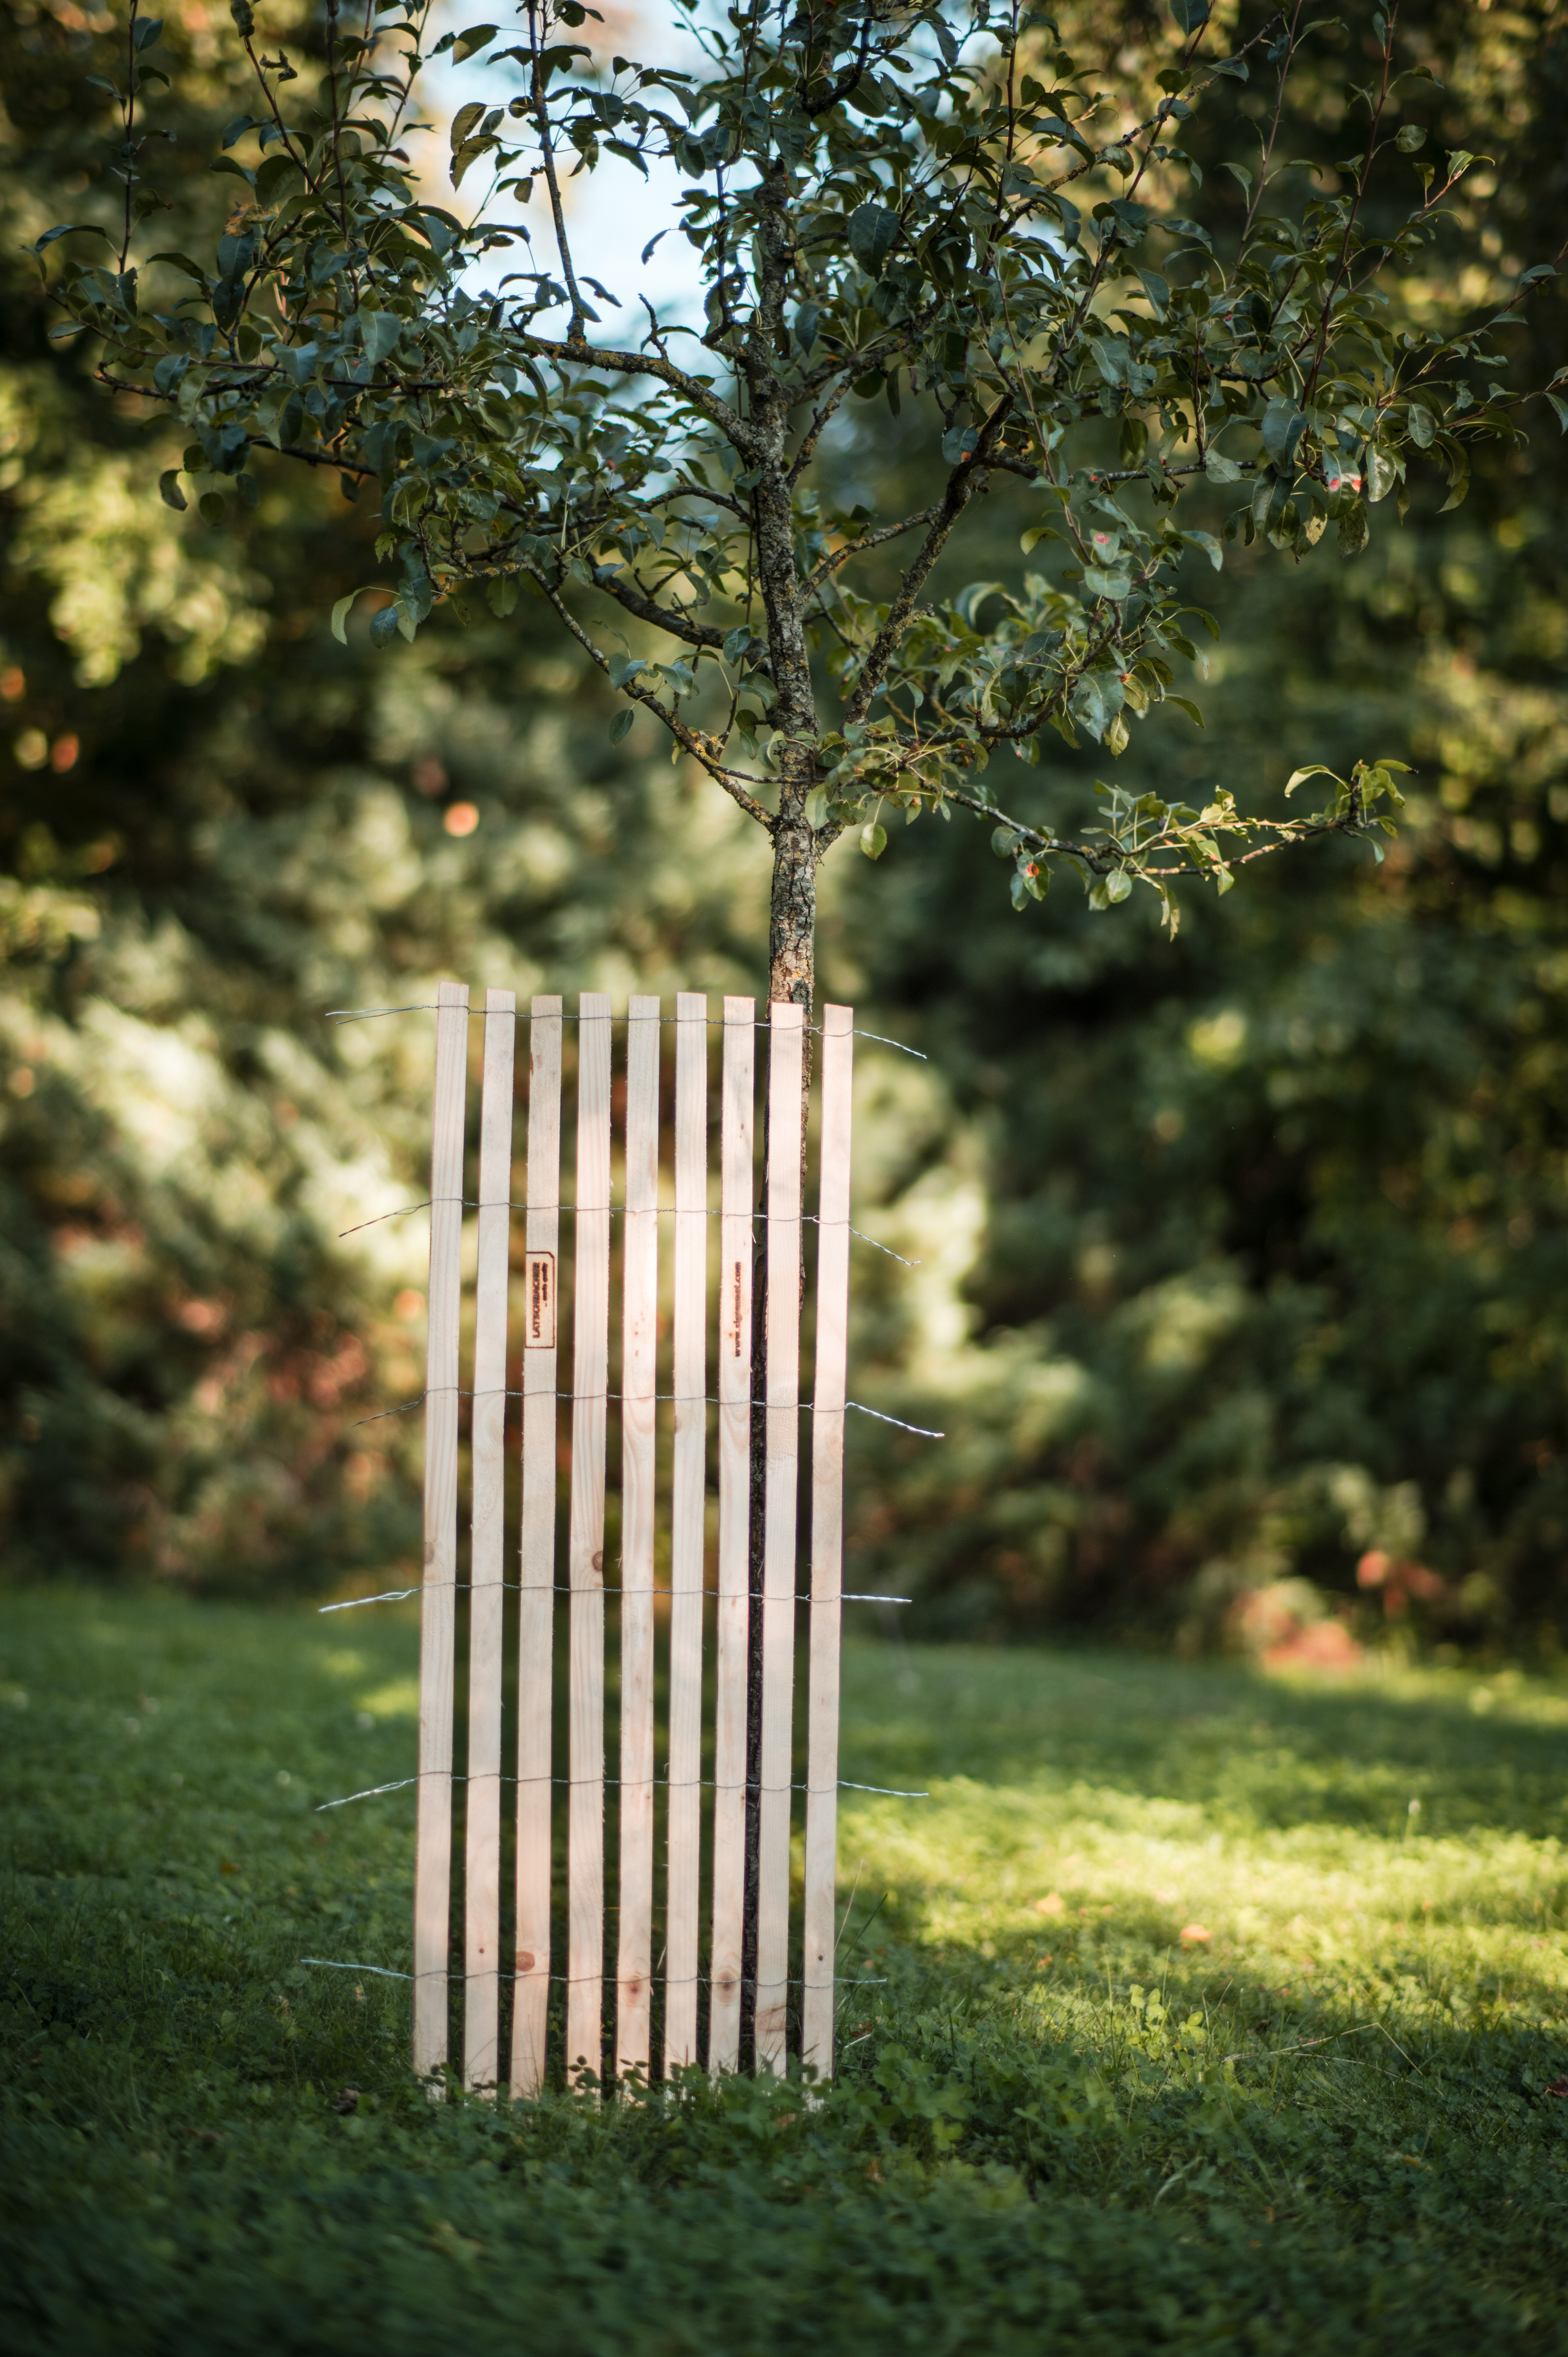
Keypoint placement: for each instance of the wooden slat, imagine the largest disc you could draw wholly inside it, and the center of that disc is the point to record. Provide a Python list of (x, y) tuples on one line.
[(586, 1572), (687, 1505), (638, 1384), (734, 1516), (536, 1602), (784, 1207), (433, 1840), (827, 1537), (482, 1881)]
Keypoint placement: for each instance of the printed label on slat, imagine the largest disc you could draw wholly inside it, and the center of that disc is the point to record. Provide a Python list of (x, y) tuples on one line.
[(539, 1291)]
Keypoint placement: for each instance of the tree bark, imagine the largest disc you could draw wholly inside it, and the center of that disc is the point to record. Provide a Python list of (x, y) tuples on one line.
[(790, 977)]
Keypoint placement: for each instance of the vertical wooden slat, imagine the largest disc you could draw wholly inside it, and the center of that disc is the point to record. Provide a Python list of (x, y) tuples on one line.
[(827, 1537), (433, 1840), (638, 1385), (536, 1602), (481, 1880), (688, 1488), (784, 1207), (735, 1515), (590, 1373)]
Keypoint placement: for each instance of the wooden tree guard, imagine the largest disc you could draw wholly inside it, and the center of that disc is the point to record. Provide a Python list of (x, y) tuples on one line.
[(705, 1322)]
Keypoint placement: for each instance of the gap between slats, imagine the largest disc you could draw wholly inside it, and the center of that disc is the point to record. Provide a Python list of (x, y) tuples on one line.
[(433, 1836), (585, 1570), (481, 1874), (639, 1335), (536, 1568)]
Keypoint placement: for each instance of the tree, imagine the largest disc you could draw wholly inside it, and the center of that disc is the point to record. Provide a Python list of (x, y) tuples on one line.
[(934, 199), (878, 203)]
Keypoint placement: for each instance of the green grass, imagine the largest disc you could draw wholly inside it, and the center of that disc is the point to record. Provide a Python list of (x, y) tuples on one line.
[(1323, 2128)]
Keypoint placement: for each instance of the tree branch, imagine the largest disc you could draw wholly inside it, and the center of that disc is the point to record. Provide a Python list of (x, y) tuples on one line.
[(692, 740), (837, 556), (954, 499), (582, 354), (629, 592)]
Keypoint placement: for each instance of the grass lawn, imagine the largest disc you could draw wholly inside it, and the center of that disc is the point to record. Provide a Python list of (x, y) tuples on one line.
[(1323, 2127)]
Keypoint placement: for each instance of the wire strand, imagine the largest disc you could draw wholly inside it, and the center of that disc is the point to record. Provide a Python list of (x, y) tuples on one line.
[(618, 1211), (615, 1783), (678, 1399), (565, 1588), (610, 1980), (519, 1015)]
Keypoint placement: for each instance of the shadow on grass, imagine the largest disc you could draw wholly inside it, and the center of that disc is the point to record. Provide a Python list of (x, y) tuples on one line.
[(1251, 1750)]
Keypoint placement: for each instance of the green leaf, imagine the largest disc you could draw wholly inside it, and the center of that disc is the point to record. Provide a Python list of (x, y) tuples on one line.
[(1561, 408), (624, 668), (1283, 426), (1409, 137), (871, 230), (1421, 425), (210, 507), (1219, 468), (1459, 475), (384, 626), (380, 332), (1118, 885), (1313, 769), (1382, 473), (1096, 700), (1003, 842), (464, 121), (271, 175), (169, 490), (69, 228), (340, 615), (1190, 14), (500, 596), (182, 261), (478, 37), (621, 724), (1100, 584), (816, 807), (873, 840)]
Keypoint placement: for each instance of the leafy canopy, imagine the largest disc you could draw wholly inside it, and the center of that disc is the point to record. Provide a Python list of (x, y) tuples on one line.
[(933, 202)]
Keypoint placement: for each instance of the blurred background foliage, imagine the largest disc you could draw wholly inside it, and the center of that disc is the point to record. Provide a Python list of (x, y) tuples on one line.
[(1242, 1293)]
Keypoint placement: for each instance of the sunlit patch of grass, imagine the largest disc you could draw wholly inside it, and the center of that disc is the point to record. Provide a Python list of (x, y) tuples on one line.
[(1168, 2023)]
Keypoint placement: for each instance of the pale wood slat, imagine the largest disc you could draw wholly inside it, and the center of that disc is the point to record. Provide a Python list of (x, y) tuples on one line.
[(687, 1507), (639, 1333), (481, 1879), (586, 1569), (735, 1215), (433, 1838), (827, 1537), (786, 1069), (536, 1602)]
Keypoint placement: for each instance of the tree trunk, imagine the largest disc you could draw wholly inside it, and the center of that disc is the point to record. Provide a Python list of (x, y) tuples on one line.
[(792, 919), (791, 978)]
